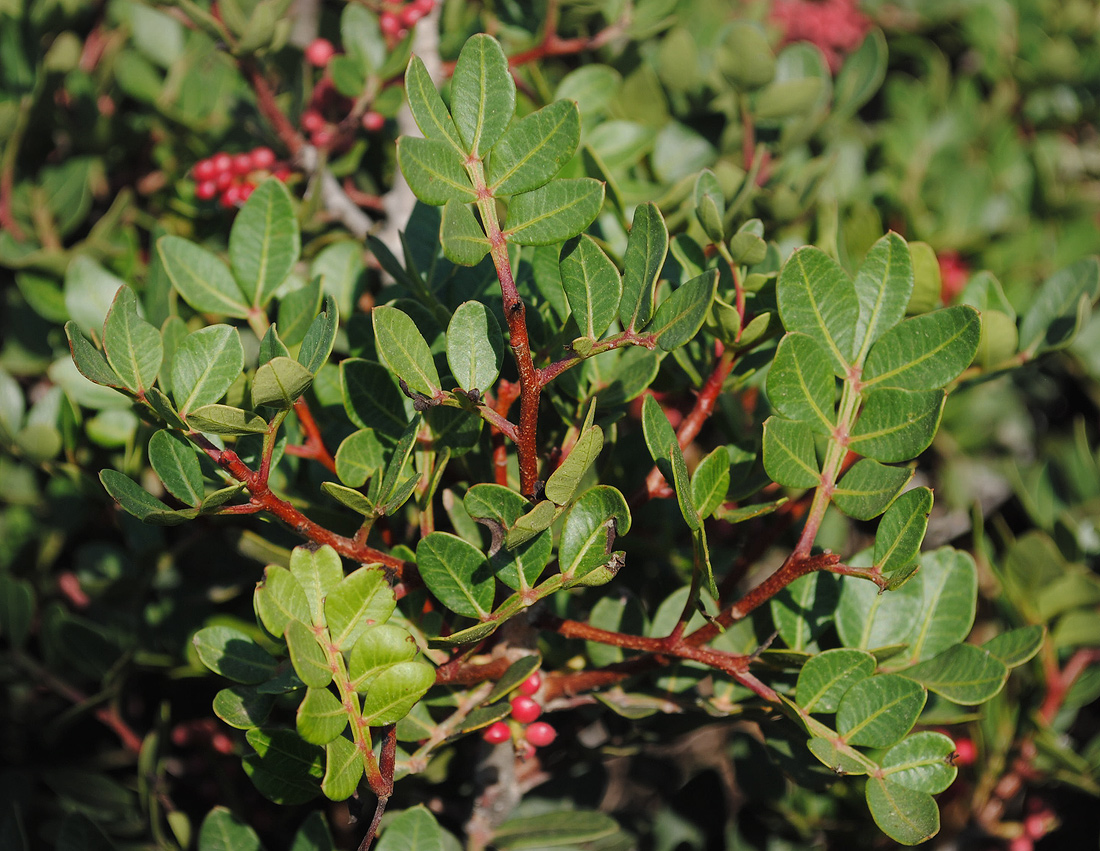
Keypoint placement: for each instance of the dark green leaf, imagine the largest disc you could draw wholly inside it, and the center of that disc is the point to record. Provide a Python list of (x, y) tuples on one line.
[(868, 488), (646, 249), (224, 419), (412, 830), (804, 609), (359, 457), (789, 456), (89, 360), (203, 280), (1055, 316), (878, 711), (817, 298), (284, 768), (371, 398), (565, 480), (867, 619), (434, 171), (962, 673), (801, 386), (427, 107), (925, 352), (681, 315), (297, 311), (590, 529), (569, 827), (321, 716), (901, 529), (921, 761), (475, 346), (592, 286), (174, 460), (242, 706), (205, 365), (483, 94), (883, 286), (711, 481), (534, 149), (223, 831), (139, 502), (948, 580), (710, 205), (1016, 646), (896, 425), (343, 769), (826, 678), (233, 654), (320, 337), (402, 346), (264, 242), (464, 241), (553, 213), (133, 346), (457, 573)]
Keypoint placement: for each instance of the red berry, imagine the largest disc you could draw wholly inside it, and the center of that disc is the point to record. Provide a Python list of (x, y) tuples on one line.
[(223, 163), (206, 190), (1021, 843), (319, 52), (246, 190), (425, 6), (531, 685), (221, 743), (373, 121), (965, 752), (242, 164), (1035, 825), (263, 158), (525, 709), (389, 23), (222, 181), (322, 138), (497, 733), (312, 121), (282, 174), (205, 170), (540, 734), (232, 196), (410, 15)]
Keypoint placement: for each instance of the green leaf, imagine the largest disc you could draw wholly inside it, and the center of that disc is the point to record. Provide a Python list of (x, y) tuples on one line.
[(297, 311), (800, 384), (371, 399), (272, 345), (321, 716), (646, 249), (908, 816), (531, 524), (359, 456), (747, 59), (868, 619), (567, 828), (464, 242), (279, 599), (710, 482), (804, 609), (839, 758), (242, 707), (901, 529), (139, 502), (318, 572), (896, 425), (962, 673), (789, 456), (89, 291), (264, 242), (681, 315), (534, 149), (394, 692), (203, 280), (434, 170), (223, 831), (826, 678), (88, 359), (868, 488), (362, 37), (517, 672), (361, 600), (1016, 646), (224, 419), (205, 365), (306, 655), (352, 498), (925, 352), (862, 74), (592, 286), (284, 768), (883, 286), (681, 484), (279, 383), (343, 769), (878, 711), (427, 107), (1056, 314), (414, 829), (313, 834), (404, 350), (590, 529), (233, 654), (457, 573), (553, 213), (174, 460), (133, 346), (948, 580), (17, 609), (320, 337), (817, 298), (710, 205), (660, 437), (475, 346), (922, 762), (377, 648), (565, 480), (483, 94)]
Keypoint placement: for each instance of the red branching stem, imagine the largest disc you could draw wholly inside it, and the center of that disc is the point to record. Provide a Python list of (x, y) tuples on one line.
[(314, 446), (458, 672), (269, 109), (507, 393), (375, 203), (265, 500), (1059, 685), (626, 338)]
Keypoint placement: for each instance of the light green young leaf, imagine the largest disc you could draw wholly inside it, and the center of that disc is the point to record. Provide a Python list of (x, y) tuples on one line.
[(475, 346), (457, 573), (362, 37), (279, 383), (226, 420), (360, 600), (789, 456), (1017, 645), (264, 242), (427, 106), (483, 94), (402, 346), (590, 529), (826, 678), (908, 816), (464, 242), (800, 384), (681, 315), (878, 711), (925, 352), (553, 213), (395, 691), (203, 280), (883, 286), (205, 365), (534, 149), (379, 647), (710, 481), (896, 425), (565, 480), (646, 249), (592, 286), (867, 620), (318, 572), (921, 761), (868, 488), (817, 298), (133, 346), (173, 459), (901, 529), (962, 673), (434, 171), (306, 655), (343, 769), (359, 456), (279, 599), (321, 716), (352, 498)]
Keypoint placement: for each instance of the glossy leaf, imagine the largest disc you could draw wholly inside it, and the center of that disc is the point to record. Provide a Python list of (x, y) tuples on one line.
[(457, 573), (362, 599), (279, 599), (800, 385), (320, 337), (225, 419), (371, 399), (878, 711), (867, 620), (592, 286), (463, 240), (681, 315), (483, 94), (590, 529), (565, 480), (1016, 646), (901, 529), (242, 707), (279, 383), (343, 769), (826, 678), (534, 149), (883, 286), (710, 481), (817, 298), (377, 648), (395, 691), (133, 346), (434, 171), (89, 360), (948, 580), (233, 654), (414, 829), (475, 346), (908, 816), (264, 242), (173, 459), (924, 352), (553, 213), (868, 488), (318, 572), (896, 425), (284, 768), (359, 456), (307, 656), (223, 831), (962, 673), (205, 365), (139, 502), (789, 456), (203, 280), (404, 350), (321, 716), (646, 249)]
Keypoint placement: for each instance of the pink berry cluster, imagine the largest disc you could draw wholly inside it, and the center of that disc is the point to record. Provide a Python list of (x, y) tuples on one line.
[(398, 18), (232, 177), (1039, 821), (525, 713), (837, 27), (328, 108)]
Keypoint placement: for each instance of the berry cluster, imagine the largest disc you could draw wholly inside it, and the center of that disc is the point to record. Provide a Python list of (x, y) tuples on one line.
[(398, 18), (525, 712), (837, 27), (233, 177)]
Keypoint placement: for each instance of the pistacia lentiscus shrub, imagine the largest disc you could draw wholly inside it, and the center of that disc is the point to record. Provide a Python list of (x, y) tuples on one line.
[(626, 437)]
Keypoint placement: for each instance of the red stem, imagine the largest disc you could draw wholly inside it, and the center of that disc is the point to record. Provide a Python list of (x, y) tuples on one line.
[(507, 393), (314, 446), (269, 109)]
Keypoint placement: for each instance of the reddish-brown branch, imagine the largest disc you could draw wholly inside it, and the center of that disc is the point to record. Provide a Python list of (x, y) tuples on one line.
[(269, 109), (461, 673), (1059, 685), (507, 393), (314, 446)]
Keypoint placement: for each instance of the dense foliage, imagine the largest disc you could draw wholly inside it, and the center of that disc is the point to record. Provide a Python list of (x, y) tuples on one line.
[(532, 423)]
